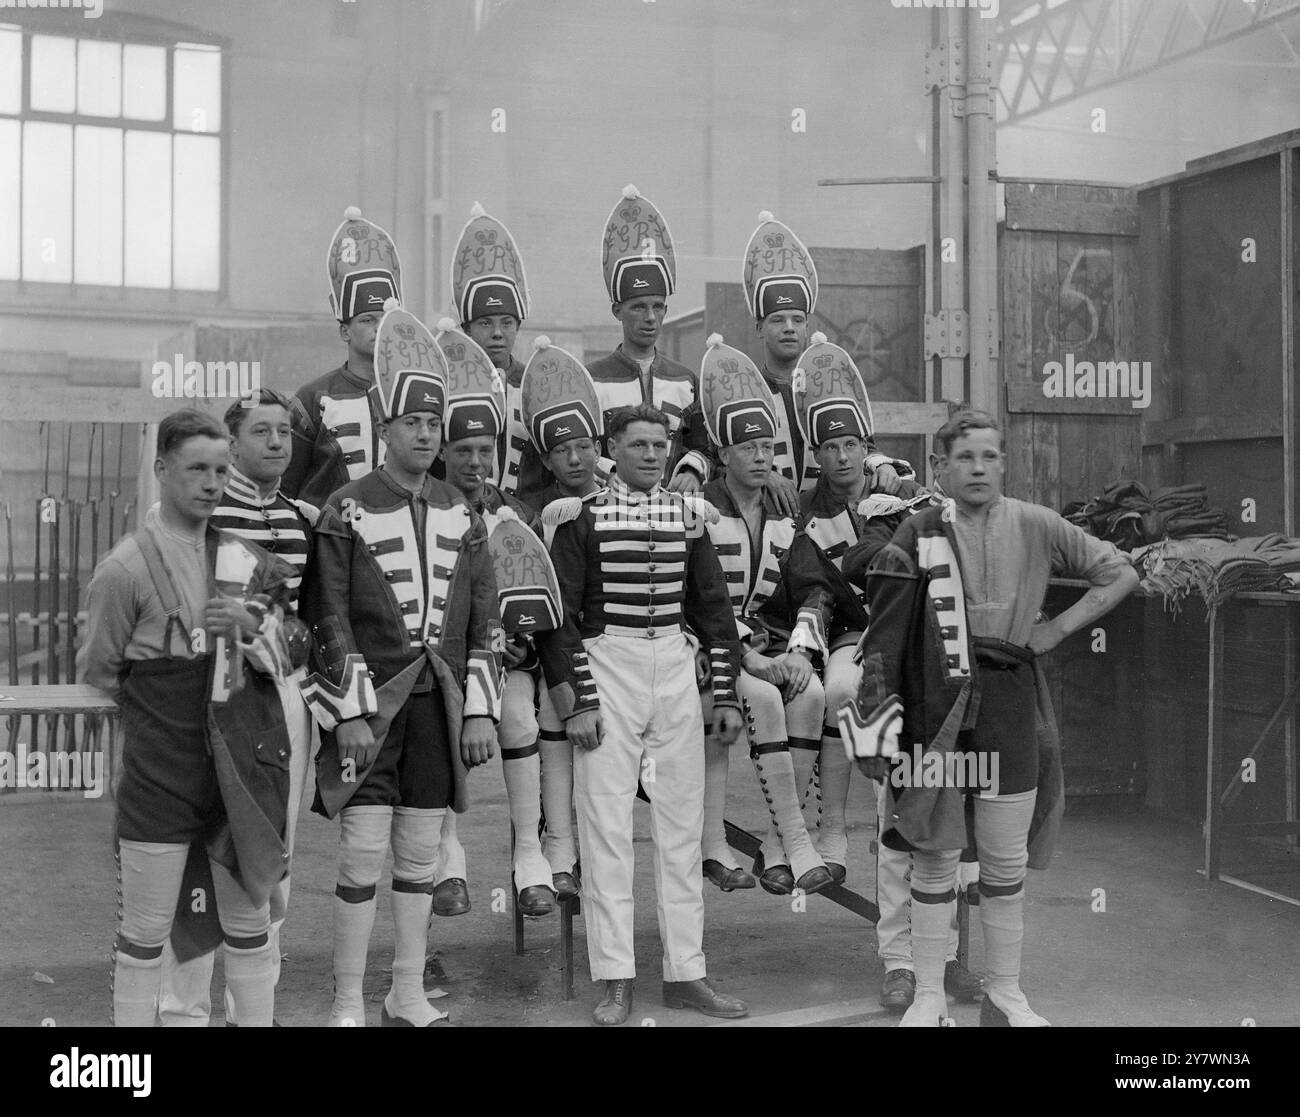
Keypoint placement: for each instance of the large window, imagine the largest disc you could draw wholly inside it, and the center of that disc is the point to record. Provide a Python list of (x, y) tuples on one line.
[(110, 161)]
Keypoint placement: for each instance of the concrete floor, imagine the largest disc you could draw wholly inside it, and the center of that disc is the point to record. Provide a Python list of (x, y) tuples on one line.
[(1169, 949)]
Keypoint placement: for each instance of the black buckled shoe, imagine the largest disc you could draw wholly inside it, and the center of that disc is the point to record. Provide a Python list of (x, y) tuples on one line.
[(451, 897), (778, 880), (898, 990), (615, 1004), (838, 872), (701, 996), (536, 900), (960, 984), (727, 879)]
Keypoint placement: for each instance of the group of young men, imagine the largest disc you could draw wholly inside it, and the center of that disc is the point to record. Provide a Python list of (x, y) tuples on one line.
[(609, 574)]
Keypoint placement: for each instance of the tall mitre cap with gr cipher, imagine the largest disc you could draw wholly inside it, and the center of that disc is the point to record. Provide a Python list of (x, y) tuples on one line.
[(363, 268), (476, 394), (487, 271), (830, 396), (411, 372), (636, 250), (558, 398), (737, 403), (778, 272)]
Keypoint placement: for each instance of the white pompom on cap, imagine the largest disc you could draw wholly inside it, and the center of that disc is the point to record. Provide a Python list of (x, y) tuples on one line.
[(391, 303), (713, 341), (817, 338), (766, 215), (630, 191), (541, 341), (446, 325), (505, 513), (476, 210), (352, 213)]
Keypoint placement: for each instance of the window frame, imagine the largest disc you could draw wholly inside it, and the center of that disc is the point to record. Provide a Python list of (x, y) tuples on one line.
[(127, 29)]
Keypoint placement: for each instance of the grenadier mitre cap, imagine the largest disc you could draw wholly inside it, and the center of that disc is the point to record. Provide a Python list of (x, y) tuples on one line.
[(558, 398), (636, 252), (830, 397), (778, 273), (410, 369), (736, 402), (363, 268), (476, 394), (487, 272)]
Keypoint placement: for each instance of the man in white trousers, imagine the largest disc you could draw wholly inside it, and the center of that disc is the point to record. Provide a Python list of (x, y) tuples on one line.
[(633, 562)]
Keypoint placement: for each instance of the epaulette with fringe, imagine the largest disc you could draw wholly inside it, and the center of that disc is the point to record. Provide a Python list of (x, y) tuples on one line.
[(565, 508)]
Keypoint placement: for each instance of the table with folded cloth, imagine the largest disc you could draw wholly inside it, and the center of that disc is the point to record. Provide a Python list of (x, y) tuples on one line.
[(1217, 568)]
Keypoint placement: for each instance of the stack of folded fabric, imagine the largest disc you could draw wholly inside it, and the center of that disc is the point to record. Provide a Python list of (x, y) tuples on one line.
[(1126, 515), (1215, 568), (1122, 515), (1184, 512)]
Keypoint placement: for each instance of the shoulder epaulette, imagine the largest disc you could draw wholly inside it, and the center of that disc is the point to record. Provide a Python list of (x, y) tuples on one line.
[(565, 508), (309, 511), (880, 504)]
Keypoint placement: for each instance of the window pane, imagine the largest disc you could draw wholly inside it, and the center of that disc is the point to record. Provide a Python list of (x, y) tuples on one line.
[(99, 78), (148, 247), (47, 202), (144, 88), (10, 130), (197, 237), (98, 206), (54, 73), (196, 89), (11, 69)]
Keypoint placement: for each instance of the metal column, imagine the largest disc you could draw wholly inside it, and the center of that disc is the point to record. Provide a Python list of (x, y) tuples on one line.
[(947, 326), (981, 210)]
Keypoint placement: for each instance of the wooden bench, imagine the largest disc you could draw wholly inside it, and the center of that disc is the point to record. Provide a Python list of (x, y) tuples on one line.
[(59, 705)]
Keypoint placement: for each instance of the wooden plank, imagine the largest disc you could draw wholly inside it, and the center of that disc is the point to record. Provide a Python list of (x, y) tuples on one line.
[(1029, 398), (46, 699), (29, 401), (1243, 153), (1067, 208), (1212, 428), (1019, 447), (1047, 462), (28, 362), (1017, 310), (901, 417), (868, 267)]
